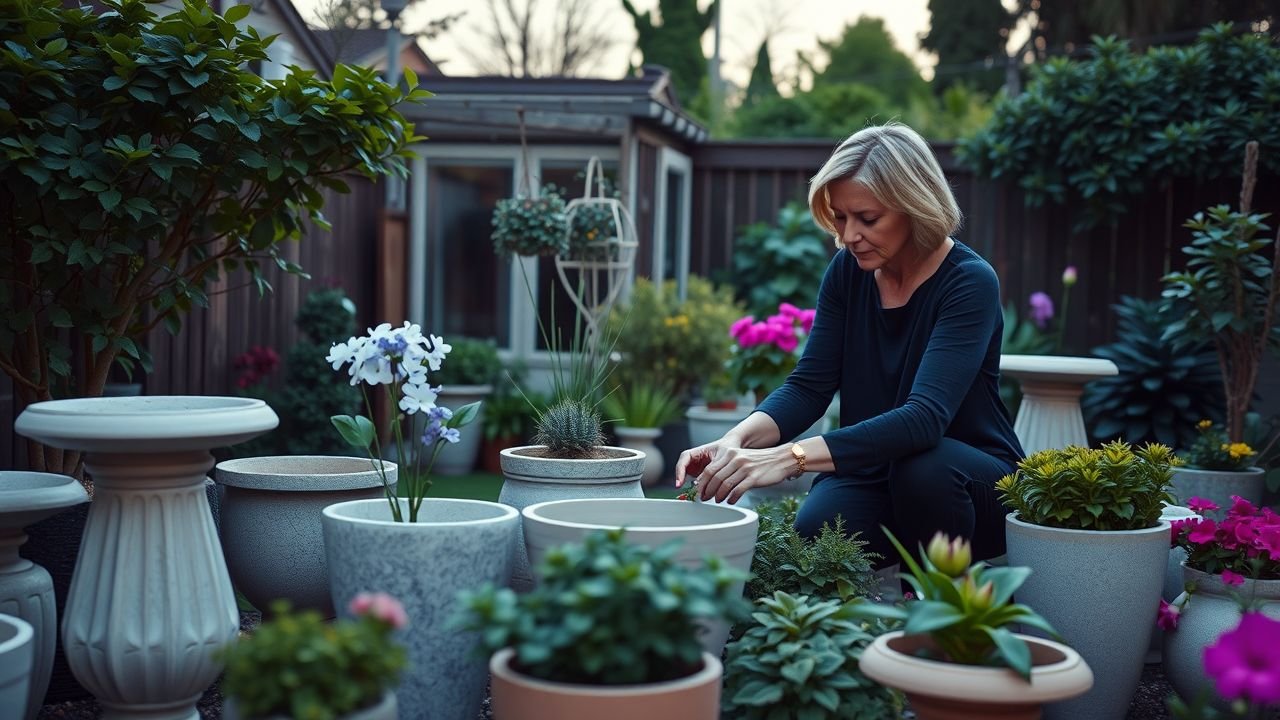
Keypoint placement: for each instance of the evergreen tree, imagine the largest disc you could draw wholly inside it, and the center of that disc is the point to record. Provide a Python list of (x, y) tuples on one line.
[(676, 43), (761, 84), (866, 54), (964, 34)]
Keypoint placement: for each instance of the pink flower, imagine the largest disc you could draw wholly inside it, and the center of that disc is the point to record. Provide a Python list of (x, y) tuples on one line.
[(908, 595), (1240, 506), (787, 343), (381, 606), (1232, 578), (1245, 662), (1167, 616), (1201, 506), (806, 320), (789, 310), (1202, 531), (736, 329), (1069, 276), (1268, 540)]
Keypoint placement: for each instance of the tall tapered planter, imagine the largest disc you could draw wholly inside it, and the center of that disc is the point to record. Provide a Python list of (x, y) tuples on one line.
[(460, 458)]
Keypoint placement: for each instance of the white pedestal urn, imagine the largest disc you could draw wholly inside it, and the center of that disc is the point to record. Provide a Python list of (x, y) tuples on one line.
[(455, 545), (460, 458), (1100, 590), (270, 527), (722, 530), (642, 440), (150, 600), (26, 589), (1218, 485), (529, 479), (1210, 611), (1049, 416), (17, 658)]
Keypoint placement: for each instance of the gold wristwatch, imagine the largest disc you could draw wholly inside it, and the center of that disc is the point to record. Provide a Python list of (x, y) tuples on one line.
[(797, 452)]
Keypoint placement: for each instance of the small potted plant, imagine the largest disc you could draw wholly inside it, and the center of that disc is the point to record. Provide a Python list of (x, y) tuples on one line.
[(610, 632), (296, 665), (530, 224), (1088, 521), (956, 654), (639, 410), (1217, 469), (467, 378), (1232, 556)]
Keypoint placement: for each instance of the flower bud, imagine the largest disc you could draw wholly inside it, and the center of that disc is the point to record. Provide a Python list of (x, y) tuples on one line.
[(952, 557), (1069, 276), (978, 598)]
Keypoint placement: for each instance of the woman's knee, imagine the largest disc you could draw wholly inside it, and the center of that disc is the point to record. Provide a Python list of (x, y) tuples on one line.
[(926, 475)]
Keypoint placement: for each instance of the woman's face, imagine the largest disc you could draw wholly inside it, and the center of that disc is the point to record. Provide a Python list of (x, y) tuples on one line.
[(876, 236)]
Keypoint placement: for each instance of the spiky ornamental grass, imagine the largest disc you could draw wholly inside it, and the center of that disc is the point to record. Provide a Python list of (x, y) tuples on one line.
[(570, 429)]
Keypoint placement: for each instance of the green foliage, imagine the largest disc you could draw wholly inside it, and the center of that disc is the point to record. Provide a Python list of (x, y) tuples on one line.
[(780, 262), (1212, 450), (681, 342), (826, 111), (761, 84), (590, 223), (830, 566), (134, 175), (676, 43), (964, 34), (800, 656), (472, 361), (569, 428), (967, 610), (1161, 391), (1020, 336), (298, 665), (1103, 130), (866, 53), (1112, 488), (641, 405), (507, 415), (605, 612), (958, 112), (530, 225)]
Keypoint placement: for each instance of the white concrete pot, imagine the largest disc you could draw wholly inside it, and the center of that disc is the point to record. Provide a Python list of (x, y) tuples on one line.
[(384, 710), (26, 589), (1100, 590), (17, 659), (460, 458), (455, 545), (150, 600), (270, 522), (710, 425), (1218, 485), (528, 480), (642, 440), (722, 530)]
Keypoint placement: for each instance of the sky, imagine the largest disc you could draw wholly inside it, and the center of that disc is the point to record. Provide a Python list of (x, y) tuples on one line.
[(793, 24)]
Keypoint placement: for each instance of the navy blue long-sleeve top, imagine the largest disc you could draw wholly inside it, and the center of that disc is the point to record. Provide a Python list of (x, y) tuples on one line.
[(908, 376)]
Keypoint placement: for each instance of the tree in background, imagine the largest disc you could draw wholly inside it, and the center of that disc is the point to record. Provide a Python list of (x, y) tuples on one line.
[(1063, 25), (676, 44), (866, 54), (343, 17), (968, 36), (761, 85), (513, 45)]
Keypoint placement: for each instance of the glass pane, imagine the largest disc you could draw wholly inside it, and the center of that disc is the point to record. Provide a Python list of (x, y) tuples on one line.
[(672, 248), (469, 292)]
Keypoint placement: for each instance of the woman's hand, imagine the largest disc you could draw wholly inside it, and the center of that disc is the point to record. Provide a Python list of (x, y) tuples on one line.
[(695, 460), (732, 471)]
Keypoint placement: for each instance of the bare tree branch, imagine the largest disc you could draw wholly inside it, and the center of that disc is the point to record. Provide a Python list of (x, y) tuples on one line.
[(520, 41)]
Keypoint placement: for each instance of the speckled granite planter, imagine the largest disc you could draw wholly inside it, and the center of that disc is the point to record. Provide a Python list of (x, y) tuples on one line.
[(17, 657), (723, 530), (455, 545), (1100, 591), (1218, 485), (528, 480), (384, 710), (271, 522)]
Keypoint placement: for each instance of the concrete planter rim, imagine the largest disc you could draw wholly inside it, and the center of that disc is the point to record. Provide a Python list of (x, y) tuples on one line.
[(632, 455), (14, 633), (500, 665), (146, 423), (534, 512), (290, 473), (1210, 584), (25, 491), (455, 390), (1031, 528), (1253, 470), (502, 513)]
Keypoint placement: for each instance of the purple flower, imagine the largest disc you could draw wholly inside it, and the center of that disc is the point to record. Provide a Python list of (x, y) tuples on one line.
[(1041, 309), (1245, 662)]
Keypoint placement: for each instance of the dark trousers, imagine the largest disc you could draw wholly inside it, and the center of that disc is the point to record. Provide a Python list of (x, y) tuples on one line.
[(950, 488)]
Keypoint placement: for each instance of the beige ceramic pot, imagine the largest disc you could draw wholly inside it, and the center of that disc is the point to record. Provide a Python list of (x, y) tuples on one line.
[(519, 697), (948, 691)]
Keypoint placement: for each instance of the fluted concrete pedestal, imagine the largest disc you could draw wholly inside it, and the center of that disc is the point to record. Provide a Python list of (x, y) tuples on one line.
[(150, 598), (1049, 416)]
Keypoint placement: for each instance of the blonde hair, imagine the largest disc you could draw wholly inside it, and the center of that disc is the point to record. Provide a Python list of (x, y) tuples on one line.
[(896, 165)]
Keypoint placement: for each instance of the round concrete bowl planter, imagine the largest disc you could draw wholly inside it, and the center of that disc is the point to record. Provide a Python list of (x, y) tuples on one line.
[(1218, 485), (270, 522), (947, 691), (1100, 590), (517, 696), (460, 458), (528, 479), (455, 545), (642, 440), (384, 710), (722, 530), (17, 659), (1210, 611)]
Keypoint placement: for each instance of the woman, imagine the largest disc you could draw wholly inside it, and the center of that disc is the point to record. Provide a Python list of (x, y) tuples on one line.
[(908, 329)]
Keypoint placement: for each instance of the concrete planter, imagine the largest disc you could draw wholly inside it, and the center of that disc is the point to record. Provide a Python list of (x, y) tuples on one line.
[(460, 458), (517, 696), (1218, 485), (707, 425), (384, 710), (26, 589), (1100, 590), (17, 658), (643, 440), (723, 530), (528, 480), (270, 527), (455, 545)]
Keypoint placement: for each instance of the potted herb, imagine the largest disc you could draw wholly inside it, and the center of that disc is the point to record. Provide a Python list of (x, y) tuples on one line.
[(467, 378), (610, 632), (1088, 521), (296, 665), (956, 654), (639, 410)]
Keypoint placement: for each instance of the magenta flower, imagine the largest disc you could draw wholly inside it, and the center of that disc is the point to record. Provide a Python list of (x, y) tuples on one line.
[(1268, 541), (380, 606), (736, 330), (1245, 662), (806, 319), (1240, 506), (1167, 616), (790, 311), (1201, 506), (1041, 309), (1202, 532), (1232, 578)]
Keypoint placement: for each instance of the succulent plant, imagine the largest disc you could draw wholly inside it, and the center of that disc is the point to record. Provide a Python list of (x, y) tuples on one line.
[(569, 429)]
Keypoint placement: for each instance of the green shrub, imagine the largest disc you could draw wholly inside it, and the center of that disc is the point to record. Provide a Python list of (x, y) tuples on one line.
[(472, 361), (312, 392), (530, 226), (641, 405), (828, 566), (780, 262)]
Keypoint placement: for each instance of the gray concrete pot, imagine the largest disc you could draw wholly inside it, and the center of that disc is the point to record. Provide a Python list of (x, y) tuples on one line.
[(384, 710), (1173, 583), (528, 480), (643, 439), (722, 530), (270, 522), (707, 425), (455, 545), (1100, 590), (460, 458), (1218, 485), (17, 658)]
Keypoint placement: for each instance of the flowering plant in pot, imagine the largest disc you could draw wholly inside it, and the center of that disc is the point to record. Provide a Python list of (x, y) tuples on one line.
[(956, 648), (610, 631), (297, 665), (1218, 469), (530, 224), (766, 351), (1244, 665)]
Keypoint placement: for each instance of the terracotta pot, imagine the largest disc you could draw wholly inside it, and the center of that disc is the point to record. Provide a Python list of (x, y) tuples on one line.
[(519, 697), (950, 691), (491, 452)]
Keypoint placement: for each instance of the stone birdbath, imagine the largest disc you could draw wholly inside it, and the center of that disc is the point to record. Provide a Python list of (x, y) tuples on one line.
[(150, 599), (1049, 416)]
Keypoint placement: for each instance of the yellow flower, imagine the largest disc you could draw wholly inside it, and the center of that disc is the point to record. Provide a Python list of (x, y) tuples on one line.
[(1238, 450), (1204, 424)]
